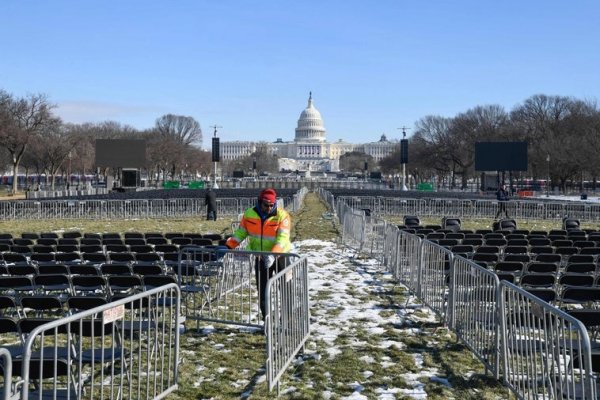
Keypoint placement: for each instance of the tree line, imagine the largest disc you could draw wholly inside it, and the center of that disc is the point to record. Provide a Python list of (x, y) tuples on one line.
[(34, 141), (563, 136)]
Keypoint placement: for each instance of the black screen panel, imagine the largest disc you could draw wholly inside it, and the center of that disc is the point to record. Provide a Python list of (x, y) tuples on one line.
[(501, 156), (120, 153)]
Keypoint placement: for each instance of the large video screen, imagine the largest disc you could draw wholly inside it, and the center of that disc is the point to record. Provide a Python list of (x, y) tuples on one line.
[(501, 156), (120, 153)]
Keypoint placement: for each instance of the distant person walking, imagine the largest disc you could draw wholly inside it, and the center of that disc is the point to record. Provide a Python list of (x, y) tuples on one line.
[(502, 197), (210, 201)]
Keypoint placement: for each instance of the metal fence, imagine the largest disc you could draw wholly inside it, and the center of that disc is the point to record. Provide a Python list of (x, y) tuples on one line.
[(112, 209), (222, 286), (288, 318), (537, 350), (127, 349), (474, 311), (8, 389), (447, 207), (546, 352)]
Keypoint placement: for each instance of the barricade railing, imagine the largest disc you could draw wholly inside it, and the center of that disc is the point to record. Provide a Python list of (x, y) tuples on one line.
[(7, 392), (538, 350), (221, 285), (390, 248), (287, 322), (546, 352), (473, 314), (407, 266), (111, 209), (127, 349), (431, 207), (433, 289), (297, 200), (353, 229), (374, 236)]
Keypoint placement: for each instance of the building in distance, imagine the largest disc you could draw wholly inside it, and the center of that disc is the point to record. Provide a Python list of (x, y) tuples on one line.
[(309, 151)]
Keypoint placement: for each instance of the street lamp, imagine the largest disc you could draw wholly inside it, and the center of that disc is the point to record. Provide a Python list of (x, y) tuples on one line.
[(548, 181)]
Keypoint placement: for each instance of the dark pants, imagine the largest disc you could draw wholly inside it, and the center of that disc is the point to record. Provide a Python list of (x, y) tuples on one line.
[(211, 215), (502, 209), (263, 275)]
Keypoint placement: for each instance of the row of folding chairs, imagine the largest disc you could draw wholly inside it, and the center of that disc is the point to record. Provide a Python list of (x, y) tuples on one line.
[(8, 259), (494, 253), (452, 239), (425, 230), (63, 353), (578, 266), (109, 235), (113, 268), (99, 246), (63, 286)]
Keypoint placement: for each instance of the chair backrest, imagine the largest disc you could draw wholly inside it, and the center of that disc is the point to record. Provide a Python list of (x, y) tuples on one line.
[(576, 279), (509, 266), (581, 267), (411, 221), (72, 234), (524, 258), (570, 224), (451, 223), (542, 267), (538, 280)]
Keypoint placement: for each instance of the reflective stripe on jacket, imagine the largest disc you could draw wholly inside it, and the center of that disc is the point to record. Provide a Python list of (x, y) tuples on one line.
[(271, 233)]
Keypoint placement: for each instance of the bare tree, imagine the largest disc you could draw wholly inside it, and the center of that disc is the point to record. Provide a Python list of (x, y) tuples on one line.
[(185, 130), (481, 123), (548, 123), (20, 120)]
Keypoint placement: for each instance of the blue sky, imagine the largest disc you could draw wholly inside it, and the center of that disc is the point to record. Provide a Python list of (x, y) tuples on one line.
[(248, 66)]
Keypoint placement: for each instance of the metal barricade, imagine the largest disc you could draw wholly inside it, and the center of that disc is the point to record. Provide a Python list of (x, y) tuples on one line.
[(374, 236), (406, 268), (446, 207), (546, 351), (390, 251), (7, 392), (554, 211), (127, 349), (221, 285), (287, 319), (435, 262), (353, 229), (485, 209), (474, 309)]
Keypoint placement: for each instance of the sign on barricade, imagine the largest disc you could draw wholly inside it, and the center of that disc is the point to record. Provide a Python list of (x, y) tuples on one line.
[(126, 349)]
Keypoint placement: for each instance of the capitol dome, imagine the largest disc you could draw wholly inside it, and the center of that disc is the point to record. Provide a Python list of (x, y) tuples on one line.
[(310, 124)]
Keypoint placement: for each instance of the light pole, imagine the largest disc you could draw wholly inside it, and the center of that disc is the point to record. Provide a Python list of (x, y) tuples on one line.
[(548, 181), (404, 156), (215, 153), (69, 173)]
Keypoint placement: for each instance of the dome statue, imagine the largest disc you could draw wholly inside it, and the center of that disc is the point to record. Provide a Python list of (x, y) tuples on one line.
[(310, 124)]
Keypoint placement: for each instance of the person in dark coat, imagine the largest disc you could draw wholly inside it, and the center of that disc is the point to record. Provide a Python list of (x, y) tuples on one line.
[(502, 197), (210, 201)]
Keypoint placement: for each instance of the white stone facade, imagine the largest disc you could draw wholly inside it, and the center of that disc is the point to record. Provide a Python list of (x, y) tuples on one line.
[(309, 151)]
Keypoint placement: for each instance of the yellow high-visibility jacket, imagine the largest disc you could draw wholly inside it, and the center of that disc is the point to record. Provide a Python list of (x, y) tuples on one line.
[(266, 232)]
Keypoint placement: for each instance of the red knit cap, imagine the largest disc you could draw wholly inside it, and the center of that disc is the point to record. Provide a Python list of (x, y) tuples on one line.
[(268, 195)]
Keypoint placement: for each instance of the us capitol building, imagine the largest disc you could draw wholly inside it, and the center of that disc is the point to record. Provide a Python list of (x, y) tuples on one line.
[(309, 151)]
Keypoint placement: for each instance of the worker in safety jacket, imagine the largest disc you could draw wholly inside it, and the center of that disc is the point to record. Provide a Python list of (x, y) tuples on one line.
[(268, 229)]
